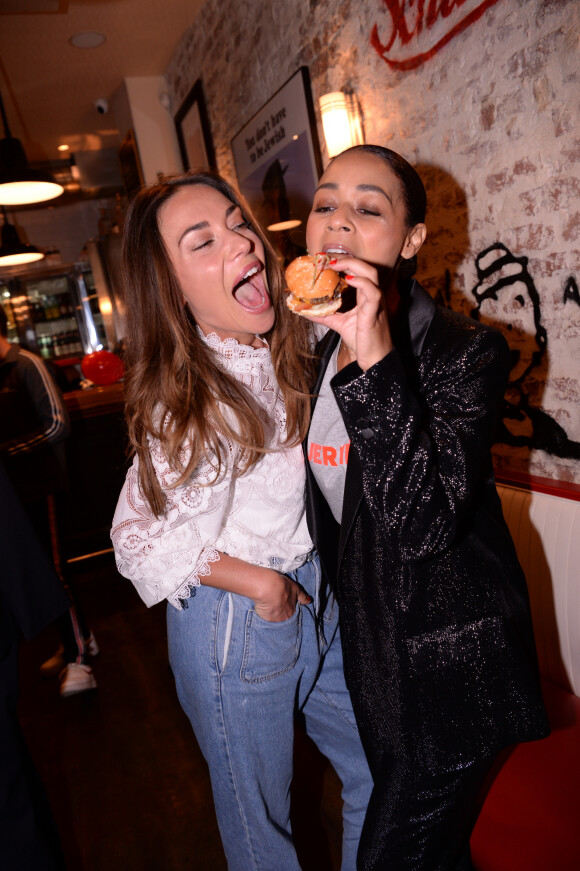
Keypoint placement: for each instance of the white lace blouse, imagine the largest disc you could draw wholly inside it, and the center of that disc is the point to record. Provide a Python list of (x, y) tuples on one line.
[(258, 517)]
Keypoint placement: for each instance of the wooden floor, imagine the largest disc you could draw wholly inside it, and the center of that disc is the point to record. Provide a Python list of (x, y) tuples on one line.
[(128, 786)]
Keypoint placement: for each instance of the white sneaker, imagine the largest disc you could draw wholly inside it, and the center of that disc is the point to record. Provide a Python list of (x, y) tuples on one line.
[(76, 678), (53, 666)]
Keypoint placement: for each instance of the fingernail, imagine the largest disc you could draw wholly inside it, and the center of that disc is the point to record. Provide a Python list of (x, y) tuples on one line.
[(333, 260), (349, 277)]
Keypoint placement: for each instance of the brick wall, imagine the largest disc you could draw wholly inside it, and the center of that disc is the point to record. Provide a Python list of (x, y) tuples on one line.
[(483, 97)]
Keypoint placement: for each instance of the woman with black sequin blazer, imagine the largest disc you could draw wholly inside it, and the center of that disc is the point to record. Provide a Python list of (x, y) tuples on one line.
[(434, 614)]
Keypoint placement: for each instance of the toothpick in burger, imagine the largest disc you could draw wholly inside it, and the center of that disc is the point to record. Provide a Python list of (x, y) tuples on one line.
[(313, 286)]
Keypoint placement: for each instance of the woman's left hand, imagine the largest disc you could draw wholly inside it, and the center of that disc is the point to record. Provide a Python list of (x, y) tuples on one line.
[(364, 329)]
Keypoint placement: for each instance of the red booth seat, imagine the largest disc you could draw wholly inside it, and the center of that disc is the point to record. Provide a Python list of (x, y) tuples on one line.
[(530, 818)]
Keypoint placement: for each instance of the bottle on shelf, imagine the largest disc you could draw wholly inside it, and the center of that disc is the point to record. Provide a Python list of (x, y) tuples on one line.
[(45, 346), (36, 311), (51, 309)]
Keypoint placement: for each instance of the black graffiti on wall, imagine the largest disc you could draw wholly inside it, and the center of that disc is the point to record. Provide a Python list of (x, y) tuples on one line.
[(504, 277), (571, 291)]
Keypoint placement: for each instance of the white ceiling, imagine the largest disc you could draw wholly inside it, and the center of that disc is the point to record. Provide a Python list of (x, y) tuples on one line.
[(49, 87)]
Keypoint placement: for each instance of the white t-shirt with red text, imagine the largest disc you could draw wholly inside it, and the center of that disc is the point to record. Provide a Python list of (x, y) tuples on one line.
[(328, 444)]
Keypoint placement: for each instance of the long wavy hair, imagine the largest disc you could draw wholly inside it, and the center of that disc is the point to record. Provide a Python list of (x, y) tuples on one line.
[(175, 390)]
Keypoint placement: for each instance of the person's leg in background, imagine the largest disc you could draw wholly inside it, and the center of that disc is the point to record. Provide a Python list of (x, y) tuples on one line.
[(71, 662), (29, 839)]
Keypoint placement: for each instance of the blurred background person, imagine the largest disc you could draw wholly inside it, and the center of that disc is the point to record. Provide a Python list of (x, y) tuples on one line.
[(33, 426), (31, 597)]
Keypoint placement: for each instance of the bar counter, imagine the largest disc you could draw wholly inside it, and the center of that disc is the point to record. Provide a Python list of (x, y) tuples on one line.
[(97, 461), (94, 401)]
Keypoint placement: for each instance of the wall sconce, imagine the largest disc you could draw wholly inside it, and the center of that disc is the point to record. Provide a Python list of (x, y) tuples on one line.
[(19, 182), (13, 252), (341, 121)]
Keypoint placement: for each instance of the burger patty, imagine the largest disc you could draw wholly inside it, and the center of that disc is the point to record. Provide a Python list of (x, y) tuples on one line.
[(318, 299)]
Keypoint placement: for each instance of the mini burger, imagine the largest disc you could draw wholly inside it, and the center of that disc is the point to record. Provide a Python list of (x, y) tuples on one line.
[(313, 286)]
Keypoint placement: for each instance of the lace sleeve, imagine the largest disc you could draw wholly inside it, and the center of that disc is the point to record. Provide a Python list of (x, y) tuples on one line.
[(165, 557)]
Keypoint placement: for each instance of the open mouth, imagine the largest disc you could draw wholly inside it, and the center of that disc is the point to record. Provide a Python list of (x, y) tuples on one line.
[(338, 250), (250, 292)]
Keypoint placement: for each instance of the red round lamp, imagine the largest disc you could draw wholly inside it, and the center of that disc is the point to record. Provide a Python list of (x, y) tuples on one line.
[(102, 367)]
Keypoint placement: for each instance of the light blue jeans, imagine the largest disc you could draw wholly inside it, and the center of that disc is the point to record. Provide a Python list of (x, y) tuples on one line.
[(241, 680)]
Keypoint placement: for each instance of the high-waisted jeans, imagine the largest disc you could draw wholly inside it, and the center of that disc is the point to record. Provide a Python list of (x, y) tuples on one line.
[(241, 680)]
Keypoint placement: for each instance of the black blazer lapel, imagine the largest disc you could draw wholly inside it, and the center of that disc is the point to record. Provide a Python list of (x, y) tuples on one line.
[(420, 310), (420, 313), (353, 492), (323, 527), (324, 350), (316, 505)]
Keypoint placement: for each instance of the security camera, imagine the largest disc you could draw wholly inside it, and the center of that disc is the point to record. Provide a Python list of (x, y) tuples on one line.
[(102, 106)]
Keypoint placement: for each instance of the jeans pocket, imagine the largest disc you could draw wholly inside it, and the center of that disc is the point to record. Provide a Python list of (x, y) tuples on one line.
[(270, 649)]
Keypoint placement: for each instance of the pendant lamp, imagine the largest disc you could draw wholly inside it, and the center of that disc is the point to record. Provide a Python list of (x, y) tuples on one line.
[(19, 182), (13, 252)]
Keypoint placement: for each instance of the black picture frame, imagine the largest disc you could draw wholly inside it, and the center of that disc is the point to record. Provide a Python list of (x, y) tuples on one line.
[(193, 131), (278, 163)]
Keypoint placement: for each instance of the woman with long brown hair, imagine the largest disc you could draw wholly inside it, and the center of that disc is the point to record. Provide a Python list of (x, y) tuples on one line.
[(211, 517)]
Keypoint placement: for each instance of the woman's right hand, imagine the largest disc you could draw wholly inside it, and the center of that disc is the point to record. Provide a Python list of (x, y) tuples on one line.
[(274, 595), (364, 330), (278, 596)]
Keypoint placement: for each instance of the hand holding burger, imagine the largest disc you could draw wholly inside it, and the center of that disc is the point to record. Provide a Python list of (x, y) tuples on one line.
[(313, 286)]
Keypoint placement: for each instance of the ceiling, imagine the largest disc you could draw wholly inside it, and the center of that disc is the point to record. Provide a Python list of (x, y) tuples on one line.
[(49, 87)]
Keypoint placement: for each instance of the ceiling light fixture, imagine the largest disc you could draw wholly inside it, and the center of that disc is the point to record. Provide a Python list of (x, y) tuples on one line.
[(88, 39), (13, 252), (19, 182)]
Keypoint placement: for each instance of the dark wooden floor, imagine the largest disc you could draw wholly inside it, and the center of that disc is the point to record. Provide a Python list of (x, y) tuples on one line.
[(128, 786)]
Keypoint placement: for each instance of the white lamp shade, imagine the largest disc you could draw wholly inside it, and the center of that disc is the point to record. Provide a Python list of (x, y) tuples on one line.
[(340, 122)]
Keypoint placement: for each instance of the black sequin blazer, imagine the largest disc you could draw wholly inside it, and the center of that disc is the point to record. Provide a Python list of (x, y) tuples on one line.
[(435, 621)]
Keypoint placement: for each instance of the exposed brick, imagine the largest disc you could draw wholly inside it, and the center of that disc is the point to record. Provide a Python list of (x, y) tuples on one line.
[(534, 237), (499, 181), (529, 203), (487, 115), (524, 167), (492, 119), (563, 192), (571, 231), (572, 152), (548, 265)]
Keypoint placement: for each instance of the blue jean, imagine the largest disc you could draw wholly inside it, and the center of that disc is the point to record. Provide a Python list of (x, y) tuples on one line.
[(241, 680)]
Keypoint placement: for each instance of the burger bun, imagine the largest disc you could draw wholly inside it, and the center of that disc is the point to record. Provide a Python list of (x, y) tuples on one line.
[(313, 287)]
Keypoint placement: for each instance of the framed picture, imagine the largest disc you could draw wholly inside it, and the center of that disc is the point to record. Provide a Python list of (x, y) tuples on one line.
[(193, 133), (278, 164), (130, 164)]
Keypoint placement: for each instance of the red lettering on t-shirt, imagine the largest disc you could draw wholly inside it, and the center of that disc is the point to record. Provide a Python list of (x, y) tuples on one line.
[(329, 456), (326, 455), (314, 453)]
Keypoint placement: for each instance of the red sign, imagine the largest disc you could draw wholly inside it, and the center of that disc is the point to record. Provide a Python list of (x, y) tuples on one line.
[(419, 28)]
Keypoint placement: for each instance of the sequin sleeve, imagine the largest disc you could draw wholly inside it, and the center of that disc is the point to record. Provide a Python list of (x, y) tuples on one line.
[(422, 433)]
